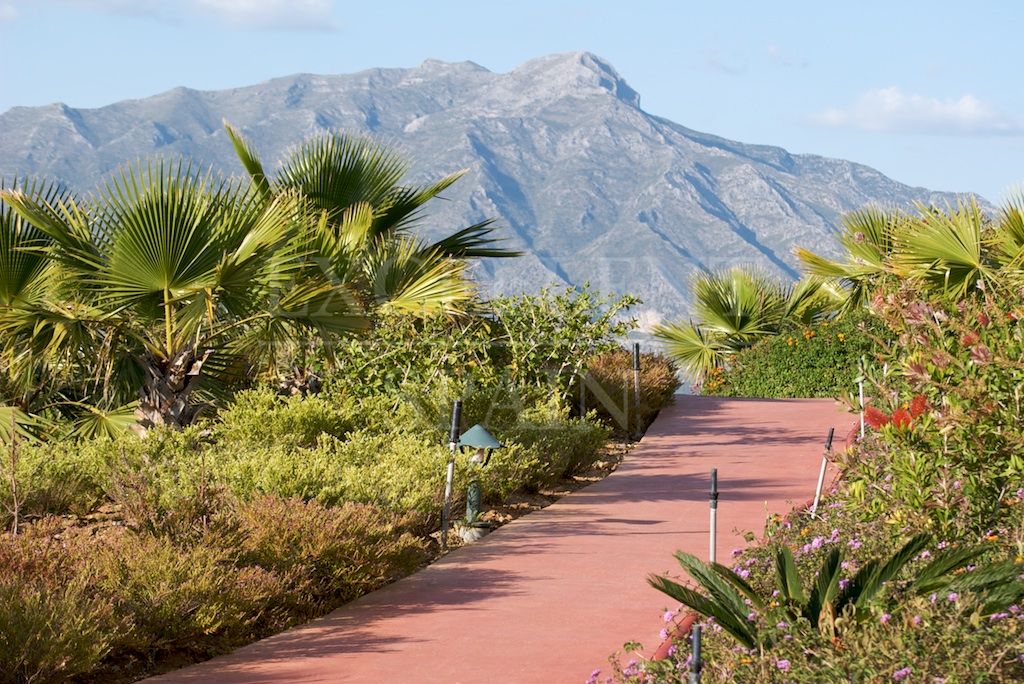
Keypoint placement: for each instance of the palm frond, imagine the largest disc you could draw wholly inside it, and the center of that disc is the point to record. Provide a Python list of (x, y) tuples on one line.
[(697, 351), (251, 161), (474, 241)]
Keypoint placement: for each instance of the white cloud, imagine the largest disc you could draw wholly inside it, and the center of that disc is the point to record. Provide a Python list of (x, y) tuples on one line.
[(890, 110), (294, 14), (8, 12), (301, 15)]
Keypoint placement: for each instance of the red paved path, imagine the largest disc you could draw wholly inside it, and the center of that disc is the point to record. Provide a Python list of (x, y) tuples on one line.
[(548, 597)]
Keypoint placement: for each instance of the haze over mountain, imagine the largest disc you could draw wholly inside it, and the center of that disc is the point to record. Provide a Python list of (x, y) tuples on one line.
[(587, 183)]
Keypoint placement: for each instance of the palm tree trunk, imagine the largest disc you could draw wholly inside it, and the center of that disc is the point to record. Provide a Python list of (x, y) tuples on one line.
[(165, 396)]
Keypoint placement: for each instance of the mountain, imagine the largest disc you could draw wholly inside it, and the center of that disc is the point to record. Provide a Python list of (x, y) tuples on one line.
[(587, 183)]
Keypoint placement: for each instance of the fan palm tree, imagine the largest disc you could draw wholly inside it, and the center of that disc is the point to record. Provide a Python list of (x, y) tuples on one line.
[(946, 248), (868, 238), (364, 220), (165, 282), (735, 309)]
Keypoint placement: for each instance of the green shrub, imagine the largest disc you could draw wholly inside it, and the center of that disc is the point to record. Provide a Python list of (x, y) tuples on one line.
[(411, 351), (817, 361), (609, 379), (262, 417), (53, 478), (563, 446), (547, 338)]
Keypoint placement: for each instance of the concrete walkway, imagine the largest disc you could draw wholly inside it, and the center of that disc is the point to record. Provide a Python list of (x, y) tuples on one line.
[(550, 596)]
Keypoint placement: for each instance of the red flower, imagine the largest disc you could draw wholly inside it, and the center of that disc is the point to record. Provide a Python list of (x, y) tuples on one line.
[(875, 418), (918, 406), (901, 418), (969, 338), (983, 319)]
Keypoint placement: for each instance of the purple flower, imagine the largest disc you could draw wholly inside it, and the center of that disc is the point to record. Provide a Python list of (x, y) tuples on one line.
[(669, 614), (934, 597), (998, 616), (843, 583), (752, 616), (782, 664), (953, 596), (901, 674), (916, 620), (782, 625), (592, 679), (885, 618), (663, 634), (854, 543), (672, 650), (736, 552), (743, 573)]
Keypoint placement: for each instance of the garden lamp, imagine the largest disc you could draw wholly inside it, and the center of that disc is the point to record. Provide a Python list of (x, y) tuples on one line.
[(477, 437)]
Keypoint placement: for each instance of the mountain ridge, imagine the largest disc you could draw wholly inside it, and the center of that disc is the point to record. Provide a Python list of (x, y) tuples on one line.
[(585, 181)]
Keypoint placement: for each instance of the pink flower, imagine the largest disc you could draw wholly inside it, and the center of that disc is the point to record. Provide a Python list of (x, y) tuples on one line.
[(782, 664), (901, 674), (953, 596), (981, 354), (667, 617), (885, 618)]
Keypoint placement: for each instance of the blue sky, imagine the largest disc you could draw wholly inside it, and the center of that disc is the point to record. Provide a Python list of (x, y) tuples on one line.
[(927, 92)]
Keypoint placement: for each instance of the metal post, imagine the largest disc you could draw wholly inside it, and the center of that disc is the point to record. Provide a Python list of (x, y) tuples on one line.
[(713, 503), (453, 440), (821, 473), (861, 383), (636, 387), (696, 659)]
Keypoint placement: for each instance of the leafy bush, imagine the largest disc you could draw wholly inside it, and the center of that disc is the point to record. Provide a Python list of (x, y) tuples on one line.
[(549, 337), (563, 446), (404, 351), (55, 478), (612, 374), (822, 360), (262, 417)]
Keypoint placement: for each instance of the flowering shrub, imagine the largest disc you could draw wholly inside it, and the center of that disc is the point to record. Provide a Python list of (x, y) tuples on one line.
[(947, 409), (818, 361)]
